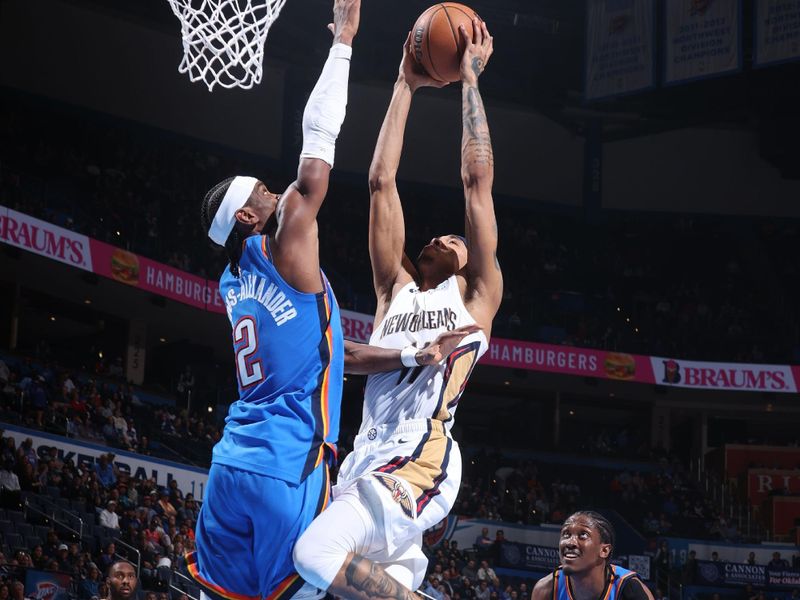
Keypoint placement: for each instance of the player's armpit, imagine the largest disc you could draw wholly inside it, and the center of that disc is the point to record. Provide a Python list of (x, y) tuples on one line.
[(635, 589), (543, 590)]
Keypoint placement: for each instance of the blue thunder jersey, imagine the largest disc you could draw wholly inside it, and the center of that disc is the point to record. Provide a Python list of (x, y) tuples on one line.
[(289, 355), (615, 581)]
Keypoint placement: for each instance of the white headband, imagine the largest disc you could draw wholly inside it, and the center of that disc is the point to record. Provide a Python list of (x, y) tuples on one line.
[(238, 193)]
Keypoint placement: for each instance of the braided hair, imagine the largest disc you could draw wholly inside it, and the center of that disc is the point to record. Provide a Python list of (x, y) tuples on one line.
[(601, 524), (211, 203)]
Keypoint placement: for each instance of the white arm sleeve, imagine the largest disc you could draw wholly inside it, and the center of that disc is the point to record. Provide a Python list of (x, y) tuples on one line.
[(326, 107)]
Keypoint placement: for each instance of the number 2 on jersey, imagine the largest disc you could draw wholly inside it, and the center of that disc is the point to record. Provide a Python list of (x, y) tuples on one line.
[(245, 344)]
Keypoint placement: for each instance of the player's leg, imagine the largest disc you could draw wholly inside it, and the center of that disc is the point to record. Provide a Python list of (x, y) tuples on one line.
[(273, 543), (341, 550), (222, 562)]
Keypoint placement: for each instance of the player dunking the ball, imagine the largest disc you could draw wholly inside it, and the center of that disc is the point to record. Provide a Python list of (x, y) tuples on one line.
[(269, 473), (405, 470), (586, 572)]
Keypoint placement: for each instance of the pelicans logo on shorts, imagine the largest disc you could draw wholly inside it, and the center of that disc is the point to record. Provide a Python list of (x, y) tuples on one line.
[(399, 493)]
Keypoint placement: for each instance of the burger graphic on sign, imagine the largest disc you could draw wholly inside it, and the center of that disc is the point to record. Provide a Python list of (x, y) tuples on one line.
[(125, 266), (620, 366)]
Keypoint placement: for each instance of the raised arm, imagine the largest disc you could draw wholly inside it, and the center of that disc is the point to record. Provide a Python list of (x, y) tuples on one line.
[(484, 278), (390, 268), (296, 247), (362, 359)]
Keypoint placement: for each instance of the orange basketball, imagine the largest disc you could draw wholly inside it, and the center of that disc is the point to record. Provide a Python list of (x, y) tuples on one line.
[(436, 41)]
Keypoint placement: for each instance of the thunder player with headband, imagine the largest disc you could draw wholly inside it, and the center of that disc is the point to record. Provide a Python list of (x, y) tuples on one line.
[(269, 474), (586, 572), (405, 470)]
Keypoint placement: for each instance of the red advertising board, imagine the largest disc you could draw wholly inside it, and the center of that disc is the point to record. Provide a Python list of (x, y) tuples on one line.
[(782, 512), (738, 458), (763, 482), (63, 245)]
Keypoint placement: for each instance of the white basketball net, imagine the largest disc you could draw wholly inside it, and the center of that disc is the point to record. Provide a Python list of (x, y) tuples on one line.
[(223, 40)]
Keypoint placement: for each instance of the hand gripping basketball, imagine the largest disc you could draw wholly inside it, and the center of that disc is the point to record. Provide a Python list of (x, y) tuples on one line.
[(479, 48), (412, 72)]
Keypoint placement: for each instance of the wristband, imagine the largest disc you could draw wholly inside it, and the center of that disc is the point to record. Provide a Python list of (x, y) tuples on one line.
[(408, 356)]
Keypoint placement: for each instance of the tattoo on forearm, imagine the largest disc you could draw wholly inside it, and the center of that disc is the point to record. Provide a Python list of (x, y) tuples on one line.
[(476, 145), (477, 66), (371, 581)]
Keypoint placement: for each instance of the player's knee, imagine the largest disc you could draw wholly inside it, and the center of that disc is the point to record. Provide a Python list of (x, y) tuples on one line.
[(316, 561)]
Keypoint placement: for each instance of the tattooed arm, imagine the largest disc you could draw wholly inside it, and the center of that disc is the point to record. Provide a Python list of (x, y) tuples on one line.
[(484, 278)]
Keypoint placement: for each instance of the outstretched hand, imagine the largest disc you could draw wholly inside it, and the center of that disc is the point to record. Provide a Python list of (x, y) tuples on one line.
[(443, 345), (412, 72), (478, 50), (346, 18)]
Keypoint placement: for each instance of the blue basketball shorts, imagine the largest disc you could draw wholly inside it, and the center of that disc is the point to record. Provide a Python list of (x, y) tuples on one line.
[(247, 528)]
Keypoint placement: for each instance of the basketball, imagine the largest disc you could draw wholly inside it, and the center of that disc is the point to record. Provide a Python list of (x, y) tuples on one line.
[(436, 41)]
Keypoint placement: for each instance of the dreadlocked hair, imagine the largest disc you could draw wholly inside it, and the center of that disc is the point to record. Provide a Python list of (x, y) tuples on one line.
[(601, 524), (211, 203)]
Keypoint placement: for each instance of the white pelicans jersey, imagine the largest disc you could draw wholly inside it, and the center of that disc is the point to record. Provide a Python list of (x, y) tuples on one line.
[(430, 392)]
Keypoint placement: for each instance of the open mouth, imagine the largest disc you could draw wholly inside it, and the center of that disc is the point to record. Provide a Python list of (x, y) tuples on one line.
[(570, 555)]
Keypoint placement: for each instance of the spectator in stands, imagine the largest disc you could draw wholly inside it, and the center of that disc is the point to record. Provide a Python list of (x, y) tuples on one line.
[(63, 559), (108, 557), (715, 556), (164, 507), (486, 573), (8, 479), (689, 574), (17, 591), (38, 557), (122, 580), (751, 558), (89, 587), (105, 472), (188, 510), (469, 571), (497, 545), (482, 591), (483, 542), (109, 517), (38, 395), (777, 563)]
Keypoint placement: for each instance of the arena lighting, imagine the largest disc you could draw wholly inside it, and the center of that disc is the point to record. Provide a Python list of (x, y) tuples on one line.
[(52, 318), (210, 409), (506, 383), (619, 309), (162, 340), (118, 233), (100, 354), (572, 412), (87, 301)]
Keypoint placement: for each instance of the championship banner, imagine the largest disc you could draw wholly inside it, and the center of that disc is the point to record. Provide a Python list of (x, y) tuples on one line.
[(45, 239), (136, 352), (723, 376), (47, 585), (702, 38), (777, 32), (620, 47), (528, 557), (85, 454)]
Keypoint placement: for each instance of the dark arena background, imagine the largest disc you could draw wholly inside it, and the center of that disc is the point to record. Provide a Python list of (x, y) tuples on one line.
[(645, 361)]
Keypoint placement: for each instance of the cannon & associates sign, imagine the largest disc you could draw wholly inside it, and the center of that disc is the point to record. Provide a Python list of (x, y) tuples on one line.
[(728, 573)]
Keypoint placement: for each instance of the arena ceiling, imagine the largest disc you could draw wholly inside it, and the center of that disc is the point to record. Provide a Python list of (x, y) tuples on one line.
[(538, 63)]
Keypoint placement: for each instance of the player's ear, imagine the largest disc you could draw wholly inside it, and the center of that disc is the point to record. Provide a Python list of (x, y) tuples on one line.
[(605, 550), (246, 215)]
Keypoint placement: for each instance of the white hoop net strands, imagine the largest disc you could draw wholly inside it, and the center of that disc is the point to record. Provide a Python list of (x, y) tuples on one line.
[(223, 40)]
